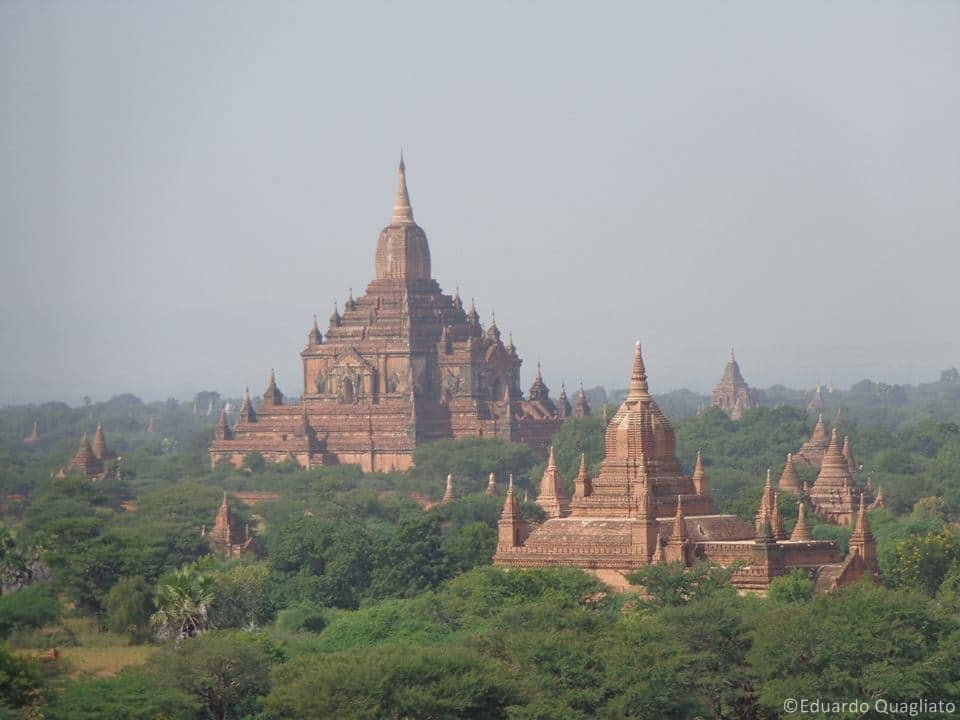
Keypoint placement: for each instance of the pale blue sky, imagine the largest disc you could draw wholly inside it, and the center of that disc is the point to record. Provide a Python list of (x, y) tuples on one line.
[(183, 184)]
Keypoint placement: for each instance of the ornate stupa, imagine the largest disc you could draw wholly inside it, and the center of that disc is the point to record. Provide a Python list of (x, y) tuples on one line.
[(641, 509)]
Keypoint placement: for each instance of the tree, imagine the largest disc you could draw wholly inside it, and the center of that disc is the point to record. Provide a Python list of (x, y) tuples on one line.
[(333, 557), (471, 545), (674, 584), (129, 605), (128, 696), (242, 596), (401, 682), (225, 672), (413, 559), (921, 561), (183, 604), (797, 586), (862, 641), (30, 607), (21, 682)]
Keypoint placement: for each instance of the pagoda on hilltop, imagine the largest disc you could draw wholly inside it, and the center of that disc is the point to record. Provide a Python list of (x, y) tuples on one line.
[(403, 364), (641, 509), (732, 394)]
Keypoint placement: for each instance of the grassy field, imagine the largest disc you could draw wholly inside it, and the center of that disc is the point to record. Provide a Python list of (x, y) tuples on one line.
[(89, 651)]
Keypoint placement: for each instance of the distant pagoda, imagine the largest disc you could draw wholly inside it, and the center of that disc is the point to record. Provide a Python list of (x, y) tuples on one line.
[(91, 461), (732, 394)]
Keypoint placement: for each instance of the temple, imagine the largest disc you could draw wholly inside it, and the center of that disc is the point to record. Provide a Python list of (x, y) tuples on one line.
[(641, 509), (403, 364), (91, 461), (732, 394), (226, 538)]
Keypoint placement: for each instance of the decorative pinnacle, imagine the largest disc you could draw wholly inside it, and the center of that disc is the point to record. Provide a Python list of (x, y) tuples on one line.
[(402, 212), (638, 379)]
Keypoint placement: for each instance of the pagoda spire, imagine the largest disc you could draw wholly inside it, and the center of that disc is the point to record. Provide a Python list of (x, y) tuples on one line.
[(679, 524), (862, 541), (510, 527), (99, 443), (847, 453), (581, 406), (402, 211), (638, 378), (581, 484), (776, 519), (272, 396), (801, 531), (314, 338), (34, 437), (553, 496), (223, 431), (862, 530), (789, 480), (247, 413), (492, 485), (449, 494), (700, 480)]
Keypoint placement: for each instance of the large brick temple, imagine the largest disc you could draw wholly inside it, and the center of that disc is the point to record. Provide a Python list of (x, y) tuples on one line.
[(642, 509), (404, 364)]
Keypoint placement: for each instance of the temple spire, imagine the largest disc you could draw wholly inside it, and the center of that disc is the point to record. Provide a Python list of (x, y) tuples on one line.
[(638, 378), (449, 494), (315, 338), (492, 485), (789, 480), (402, 211), (679, 524), (700, 480), (801, 531)]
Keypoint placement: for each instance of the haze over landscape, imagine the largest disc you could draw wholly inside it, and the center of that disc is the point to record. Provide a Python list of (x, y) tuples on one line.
[(184, 185)]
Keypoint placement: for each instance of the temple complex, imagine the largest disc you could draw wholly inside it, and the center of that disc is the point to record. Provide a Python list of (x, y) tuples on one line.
[(90, 461), (641, 509), (732, 394), (227, 538), (403, 364)]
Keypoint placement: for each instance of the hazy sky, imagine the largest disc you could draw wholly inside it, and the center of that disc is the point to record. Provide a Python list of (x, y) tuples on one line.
[(183, 184)]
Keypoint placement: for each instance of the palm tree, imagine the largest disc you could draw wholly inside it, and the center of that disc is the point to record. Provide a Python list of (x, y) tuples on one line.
[(183, 602)]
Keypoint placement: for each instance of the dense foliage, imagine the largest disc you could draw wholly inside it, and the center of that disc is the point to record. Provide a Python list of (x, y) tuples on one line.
[(372, 601)]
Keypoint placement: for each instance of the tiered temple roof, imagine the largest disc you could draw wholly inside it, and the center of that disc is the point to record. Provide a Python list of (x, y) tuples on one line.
[(732, 394), (641, 509), (402, 365)]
